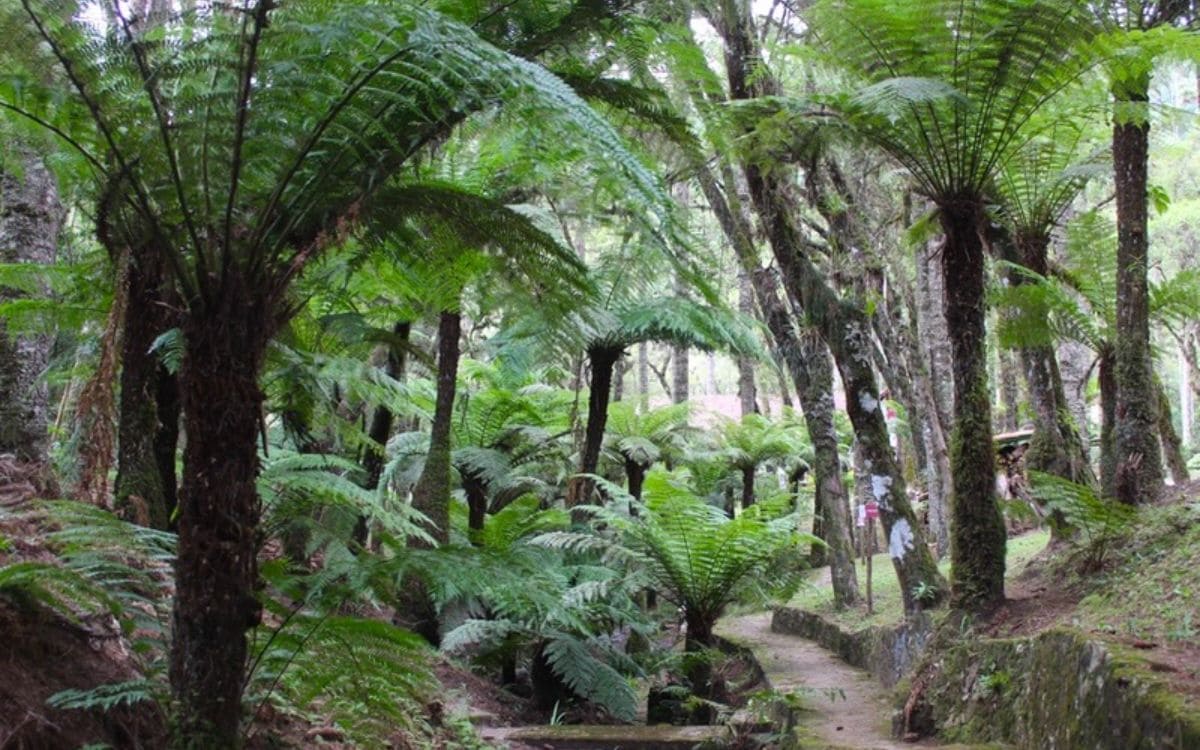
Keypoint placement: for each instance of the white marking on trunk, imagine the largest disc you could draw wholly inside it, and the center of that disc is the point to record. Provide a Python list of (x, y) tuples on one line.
[(868, 402), (901, 539), (881, 489)]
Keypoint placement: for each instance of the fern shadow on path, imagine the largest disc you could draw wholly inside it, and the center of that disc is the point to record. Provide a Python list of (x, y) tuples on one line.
[(848, 708)]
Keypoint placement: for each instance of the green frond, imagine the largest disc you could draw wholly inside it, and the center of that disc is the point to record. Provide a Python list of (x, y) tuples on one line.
[(948, 87)]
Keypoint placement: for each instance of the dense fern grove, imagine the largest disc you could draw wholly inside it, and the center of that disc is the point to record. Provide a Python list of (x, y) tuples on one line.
[(349, 350)]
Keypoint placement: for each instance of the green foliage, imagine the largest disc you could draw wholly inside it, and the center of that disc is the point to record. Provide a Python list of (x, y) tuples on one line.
[(645, 436), (950, 85), (1099, 521), (536, 599), (755, 439), (367, 675), (692, 553)]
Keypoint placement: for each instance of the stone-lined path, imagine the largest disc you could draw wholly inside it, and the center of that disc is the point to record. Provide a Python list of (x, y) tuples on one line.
[(861, 720)]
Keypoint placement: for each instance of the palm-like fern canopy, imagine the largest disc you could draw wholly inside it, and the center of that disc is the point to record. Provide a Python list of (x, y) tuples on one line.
[(948, 87)]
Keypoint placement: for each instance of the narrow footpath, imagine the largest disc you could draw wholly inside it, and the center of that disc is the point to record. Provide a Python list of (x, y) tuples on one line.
[(849, 708)]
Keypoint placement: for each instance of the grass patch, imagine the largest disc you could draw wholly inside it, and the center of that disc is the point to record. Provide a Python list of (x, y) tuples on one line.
[(1150, 589), (885, 589)]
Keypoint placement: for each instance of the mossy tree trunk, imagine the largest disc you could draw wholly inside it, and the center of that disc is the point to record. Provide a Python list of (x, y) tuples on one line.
[(1139, 461), (844, 326), (1171, 444), (216, 571), (745, 365), (1056, 447), (30, 218), (431, 494), (812, 375), (978, 536), (145, 490)]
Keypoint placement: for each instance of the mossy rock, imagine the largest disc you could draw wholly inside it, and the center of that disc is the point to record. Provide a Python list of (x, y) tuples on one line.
[(1057, 689)]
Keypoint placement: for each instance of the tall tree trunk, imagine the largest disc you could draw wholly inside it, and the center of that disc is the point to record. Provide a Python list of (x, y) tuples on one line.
[(933, 381), (166, 439), (643, 376), (812, 374), (934, 333), (1056, 447), (1187, 405), (746, 390), (602, 360), (679, 375), (1010, 392), (1139, 461), (748, 473), (831, 502), (1172, 445), (380, 429), (844, 326), (30, 218), (431, 495), (140, 492), (1075, 367), (216, 571), (978, 538), (618, 386), (1107, 378)]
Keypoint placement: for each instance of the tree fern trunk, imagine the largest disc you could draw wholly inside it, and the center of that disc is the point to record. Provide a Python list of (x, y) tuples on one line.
[(978, 534), (216, 569), (635, 475), (602, 361), (431, 495), (748, 486), (140, 492), (1139, 461), (1056, 447), (1108, 422), (746, 389)]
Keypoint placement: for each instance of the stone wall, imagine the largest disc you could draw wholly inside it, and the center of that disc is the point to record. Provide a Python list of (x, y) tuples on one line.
[(888, 653), (1055, 690)]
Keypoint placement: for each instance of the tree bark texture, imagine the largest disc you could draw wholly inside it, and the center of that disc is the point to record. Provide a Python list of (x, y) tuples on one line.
[(812, 374), (1139, 461), (1106, 375), (745, 365), (431, 495), (679, 375), (1010, 392), (1171, 444), (141, 490), (602, 360), (216, 572), (978, 537), (843, 326), (30, 218), (1056, 447)]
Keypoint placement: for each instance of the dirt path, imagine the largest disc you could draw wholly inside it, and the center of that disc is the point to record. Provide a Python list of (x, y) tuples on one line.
[(862, 720)]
